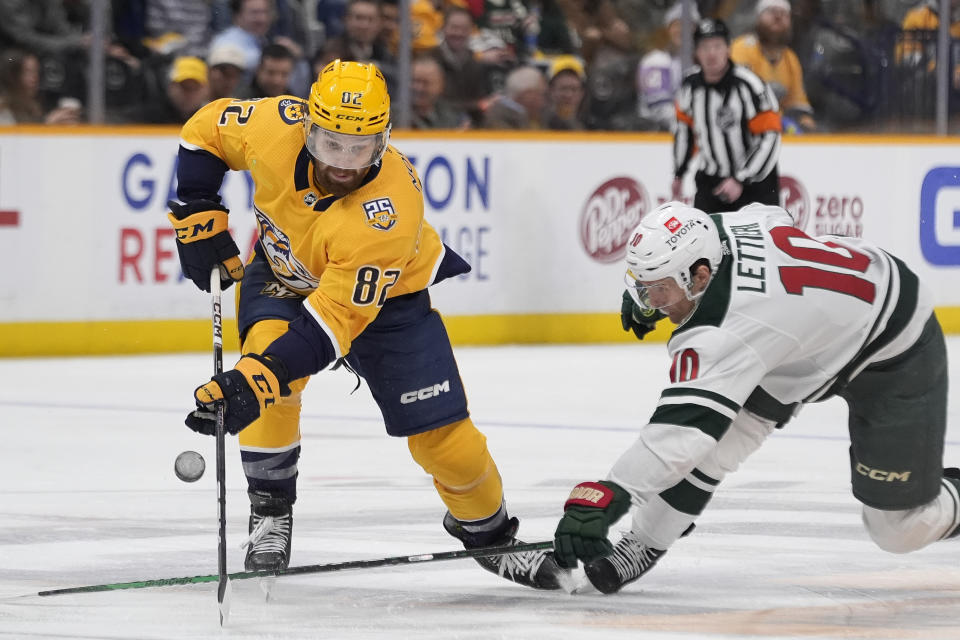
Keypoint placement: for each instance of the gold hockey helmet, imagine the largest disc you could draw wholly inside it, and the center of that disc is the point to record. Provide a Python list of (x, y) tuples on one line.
[(347, 124)]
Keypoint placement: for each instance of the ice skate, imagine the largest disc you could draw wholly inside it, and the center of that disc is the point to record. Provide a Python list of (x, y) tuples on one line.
[(271, 530), (630, 560), (535, 569)]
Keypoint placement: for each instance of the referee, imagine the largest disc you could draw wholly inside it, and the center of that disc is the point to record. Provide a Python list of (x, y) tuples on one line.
[(730, 117)]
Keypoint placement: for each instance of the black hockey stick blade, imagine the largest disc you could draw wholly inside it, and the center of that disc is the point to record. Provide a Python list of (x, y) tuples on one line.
[(312, 568)]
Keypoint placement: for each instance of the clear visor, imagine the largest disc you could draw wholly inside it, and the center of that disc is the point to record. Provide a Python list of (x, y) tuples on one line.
[(654, 295), (345, 151)]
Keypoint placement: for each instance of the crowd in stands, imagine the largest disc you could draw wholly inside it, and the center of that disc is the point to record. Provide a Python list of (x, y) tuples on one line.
[(494, 64)]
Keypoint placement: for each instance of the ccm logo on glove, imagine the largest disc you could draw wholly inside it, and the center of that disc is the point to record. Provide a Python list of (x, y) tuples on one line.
[(203, 241), (199, 226), (256, 383), (266, 391), (208, 397)]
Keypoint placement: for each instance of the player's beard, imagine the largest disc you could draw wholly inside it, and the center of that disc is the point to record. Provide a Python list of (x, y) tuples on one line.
[(324, 176)]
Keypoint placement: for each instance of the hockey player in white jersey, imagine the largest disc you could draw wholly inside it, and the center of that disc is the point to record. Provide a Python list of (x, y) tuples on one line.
[(769, 319)]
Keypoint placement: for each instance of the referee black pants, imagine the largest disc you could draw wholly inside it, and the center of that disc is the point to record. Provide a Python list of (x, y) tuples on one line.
[(767, 191)]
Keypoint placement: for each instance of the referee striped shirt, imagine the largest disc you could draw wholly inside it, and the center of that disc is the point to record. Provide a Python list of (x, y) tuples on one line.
[(733, 125)]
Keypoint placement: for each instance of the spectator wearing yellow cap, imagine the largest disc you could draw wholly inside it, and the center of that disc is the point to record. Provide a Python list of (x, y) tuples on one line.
[(565, 92), (767, 54), (187, 89)]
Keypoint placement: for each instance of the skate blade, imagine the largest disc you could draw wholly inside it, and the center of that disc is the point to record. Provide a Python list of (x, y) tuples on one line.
[(569, 581), (581, 585), (266, 586)]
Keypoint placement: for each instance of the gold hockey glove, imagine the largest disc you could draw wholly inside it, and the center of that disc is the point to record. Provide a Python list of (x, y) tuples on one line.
[(204, 241), (255, 384)]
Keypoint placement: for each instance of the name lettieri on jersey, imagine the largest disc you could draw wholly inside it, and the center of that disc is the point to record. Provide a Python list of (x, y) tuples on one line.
[(751, 273)]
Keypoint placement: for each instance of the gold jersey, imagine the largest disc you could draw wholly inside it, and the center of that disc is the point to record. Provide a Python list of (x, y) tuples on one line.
[(347, 255), (785, 76)]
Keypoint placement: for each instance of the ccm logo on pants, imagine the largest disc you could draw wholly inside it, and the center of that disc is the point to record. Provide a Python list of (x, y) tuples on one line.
[(425, 393), (880, 474)]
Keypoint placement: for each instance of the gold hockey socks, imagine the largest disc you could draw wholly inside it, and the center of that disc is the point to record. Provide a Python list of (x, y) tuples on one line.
[(463, 471)]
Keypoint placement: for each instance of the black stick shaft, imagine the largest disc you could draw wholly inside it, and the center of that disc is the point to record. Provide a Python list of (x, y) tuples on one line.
[(313, 568), (220, 445)]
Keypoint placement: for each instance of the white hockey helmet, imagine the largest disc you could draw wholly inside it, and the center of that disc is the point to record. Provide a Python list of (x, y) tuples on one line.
[(668, 241)]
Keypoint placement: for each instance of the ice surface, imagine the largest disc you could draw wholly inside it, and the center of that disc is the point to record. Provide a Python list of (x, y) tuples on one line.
[(89, 496)]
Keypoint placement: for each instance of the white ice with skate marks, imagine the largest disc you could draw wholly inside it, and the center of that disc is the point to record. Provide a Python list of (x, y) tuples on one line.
[(89, 496)]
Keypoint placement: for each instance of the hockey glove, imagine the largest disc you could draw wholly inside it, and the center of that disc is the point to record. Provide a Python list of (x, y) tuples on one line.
[(587, 516), (636, 319), (255, 384), (204, 241)]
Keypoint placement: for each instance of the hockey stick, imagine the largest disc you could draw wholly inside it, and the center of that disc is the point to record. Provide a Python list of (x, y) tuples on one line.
[(223, 588), (312, 568)]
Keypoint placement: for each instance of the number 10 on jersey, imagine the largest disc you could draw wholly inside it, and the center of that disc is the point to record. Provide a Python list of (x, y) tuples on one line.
[(799, 246)]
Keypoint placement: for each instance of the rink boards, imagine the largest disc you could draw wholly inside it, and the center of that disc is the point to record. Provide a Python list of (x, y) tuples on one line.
[(89, 260)]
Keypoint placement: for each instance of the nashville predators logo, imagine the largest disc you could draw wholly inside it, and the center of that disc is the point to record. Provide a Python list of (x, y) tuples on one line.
[(277, 290), (380, 214), (276, 246), (291, 111)]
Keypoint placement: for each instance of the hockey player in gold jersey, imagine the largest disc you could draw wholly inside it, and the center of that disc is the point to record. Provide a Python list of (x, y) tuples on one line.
[(340, 274)]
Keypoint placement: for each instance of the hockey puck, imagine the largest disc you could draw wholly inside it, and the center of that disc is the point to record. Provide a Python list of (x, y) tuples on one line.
[(189, 466)]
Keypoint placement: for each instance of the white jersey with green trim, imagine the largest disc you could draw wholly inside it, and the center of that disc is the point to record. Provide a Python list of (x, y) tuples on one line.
[(786, 319)]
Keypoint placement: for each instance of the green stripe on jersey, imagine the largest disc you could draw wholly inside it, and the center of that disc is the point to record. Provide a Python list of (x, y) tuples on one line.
[(701, 393), (696, 416), (716, 299)]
